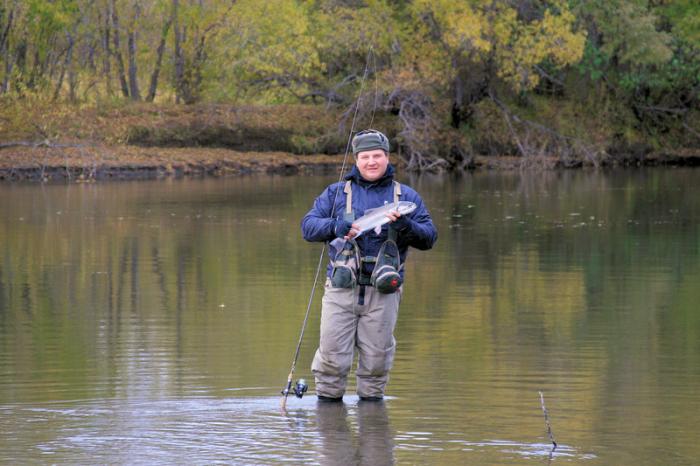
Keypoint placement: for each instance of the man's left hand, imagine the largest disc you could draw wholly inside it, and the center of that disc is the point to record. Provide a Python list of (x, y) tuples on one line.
[(398, 222)]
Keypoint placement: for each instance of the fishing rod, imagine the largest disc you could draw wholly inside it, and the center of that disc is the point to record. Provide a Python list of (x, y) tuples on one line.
[(301, 386)]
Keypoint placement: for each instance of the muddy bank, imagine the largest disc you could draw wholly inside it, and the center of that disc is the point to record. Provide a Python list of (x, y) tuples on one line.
[(128, 163), (93, 163)]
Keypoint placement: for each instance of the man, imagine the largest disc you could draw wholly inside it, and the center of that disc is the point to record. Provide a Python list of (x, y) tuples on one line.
[(359, 310)]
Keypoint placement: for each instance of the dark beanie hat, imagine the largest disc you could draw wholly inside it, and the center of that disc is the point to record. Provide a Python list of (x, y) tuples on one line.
[(369, 139)]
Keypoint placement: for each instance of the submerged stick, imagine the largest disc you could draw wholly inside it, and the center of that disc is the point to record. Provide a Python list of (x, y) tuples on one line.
[(546, 422)]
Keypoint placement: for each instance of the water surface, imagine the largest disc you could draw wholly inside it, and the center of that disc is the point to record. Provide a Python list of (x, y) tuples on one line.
[(155, 322)]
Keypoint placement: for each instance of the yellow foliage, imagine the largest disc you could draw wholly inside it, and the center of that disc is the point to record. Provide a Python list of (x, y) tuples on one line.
[(465, 27), (421, 63), (343, 30), (485, 31), (269, 42)]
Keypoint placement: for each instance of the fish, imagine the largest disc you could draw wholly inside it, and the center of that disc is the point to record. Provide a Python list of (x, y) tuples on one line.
[(375, 218)]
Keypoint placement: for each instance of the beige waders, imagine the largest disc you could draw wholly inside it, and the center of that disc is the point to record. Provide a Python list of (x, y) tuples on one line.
[(346, 325)]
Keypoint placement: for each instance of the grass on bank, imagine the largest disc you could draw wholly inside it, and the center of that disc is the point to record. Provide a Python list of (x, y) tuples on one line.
[(562, 131)]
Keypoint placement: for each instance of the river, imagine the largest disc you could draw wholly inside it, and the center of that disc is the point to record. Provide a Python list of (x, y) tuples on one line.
[(156, 322)]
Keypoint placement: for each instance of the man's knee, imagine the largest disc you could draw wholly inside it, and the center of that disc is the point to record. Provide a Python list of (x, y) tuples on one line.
[(375, 365), (337, 364)]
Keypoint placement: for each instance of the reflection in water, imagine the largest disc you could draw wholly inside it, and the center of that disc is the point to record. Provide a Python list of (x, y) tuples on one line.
[(140, 317), (372, 445)]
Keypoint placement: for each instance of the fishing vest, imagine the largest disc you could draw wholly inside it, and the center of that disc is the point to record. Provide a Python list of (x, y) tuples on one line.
[(348, 266)]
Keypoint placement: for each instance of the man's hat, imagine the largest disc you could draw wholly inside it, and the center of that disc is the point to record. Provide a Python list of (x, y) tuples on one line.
[(369, 139)]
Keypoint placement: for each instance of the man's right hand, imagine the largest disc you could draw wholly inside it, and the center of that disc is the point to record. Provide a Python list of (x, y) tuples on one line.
[(345, 229)]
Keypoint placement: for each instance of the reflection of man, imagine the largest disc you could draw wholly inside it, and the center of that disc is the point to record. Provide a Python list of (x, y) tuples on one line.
[(375, 443), (376, 438), (361, 300), (336, 448)]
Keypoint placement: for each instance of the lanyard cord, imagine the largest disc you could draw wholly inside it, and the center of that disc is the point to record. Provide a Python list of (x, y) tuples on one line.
[(288, 386)]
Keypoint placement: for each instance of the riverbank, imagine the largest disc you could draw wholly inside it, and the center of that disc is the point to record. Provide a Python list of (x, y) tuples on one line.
[(94, 163), (41, 141)]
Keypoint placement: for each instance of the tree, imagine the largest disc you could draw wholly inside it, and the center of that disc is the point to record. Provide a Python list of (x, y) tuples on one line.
[(195, 30), (498, 40), (464, 52), (167, 23), (647, 53), (345, 32), (271, 51), (7, 16), (134, 91), (117, 50)]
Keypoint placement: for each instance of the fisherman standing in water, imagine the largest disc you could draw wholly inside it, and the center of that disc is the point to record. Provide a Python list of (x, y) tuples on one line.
[(363, 288)]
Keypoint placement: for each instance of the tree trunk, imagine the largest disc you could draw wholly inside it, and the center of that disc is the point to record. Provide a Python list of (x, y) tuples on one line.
[(198, 62), (72, 82), (159, 59), (6, 32), (34, 72), (117, 50), (106, 60), (8, 71), (59, 84), (66, 65), (458, 96), (5, 53), (133, 70), (131, 46), (178, 58)]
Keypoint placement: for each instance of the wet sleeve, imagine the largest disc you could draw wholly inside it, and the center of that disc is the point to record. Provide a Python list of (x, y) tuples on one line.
[(421, 233), (318, 224)]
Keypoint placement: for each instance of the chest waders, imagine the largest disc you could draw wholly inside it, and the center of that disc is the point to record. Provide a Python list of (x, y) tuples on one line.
[(348, 266)]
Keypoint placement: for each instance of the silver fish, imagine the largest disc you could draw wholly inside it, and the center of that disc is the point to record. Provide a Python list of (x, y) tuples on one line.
[(375, 218)]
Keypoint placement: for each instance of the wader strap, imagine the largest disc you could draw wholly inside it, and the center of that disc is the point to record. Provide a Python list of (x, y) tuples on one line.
[(348, 194), (348, 197), (392, 235), (397, 192)]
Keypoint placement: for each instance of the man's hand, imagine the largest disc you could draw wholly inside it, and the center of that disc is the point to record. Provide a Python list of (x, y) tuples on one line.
[(354, 231), (398, 221), (344, 229)]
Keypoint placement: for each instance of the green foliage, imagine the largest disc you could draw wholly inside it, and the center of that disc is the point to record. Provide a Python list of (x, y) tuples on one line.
[(684, 18), (268, 51), (629, 31), (346, 33), (44, 19), (447, 54)]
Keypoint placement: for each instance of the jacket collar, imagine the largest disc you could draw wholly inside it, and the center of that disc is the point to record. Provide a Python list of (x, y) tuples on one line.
[(386, 179)]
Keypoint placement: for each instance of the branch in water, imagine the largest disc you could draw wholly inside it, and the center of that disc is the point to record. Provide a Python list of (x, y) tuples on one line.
[(546, 422)]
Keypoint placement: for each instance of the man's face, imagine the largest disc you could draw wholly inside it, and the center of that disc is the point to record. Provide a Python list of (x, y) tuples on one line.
[(372, 164)]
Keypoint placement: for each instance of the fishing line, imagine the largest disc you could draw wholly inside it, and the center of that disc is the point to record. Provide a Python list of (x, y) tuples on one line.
[(376, 85), (288, 386)]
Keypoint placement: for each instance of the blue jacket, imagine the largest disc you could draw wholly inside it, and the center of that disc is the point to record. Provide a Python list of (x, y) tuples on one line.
[(318, 224)]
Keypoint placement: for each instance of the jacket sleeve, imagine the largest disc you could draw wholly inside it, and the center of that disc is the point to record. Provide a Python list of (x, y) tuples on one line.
[(421, 233), (318, 224)]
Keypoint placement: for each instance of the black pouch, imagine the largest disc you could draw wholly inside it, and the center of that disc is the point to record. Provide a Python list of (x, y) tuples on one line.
[(345, 266), (385, 276)]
